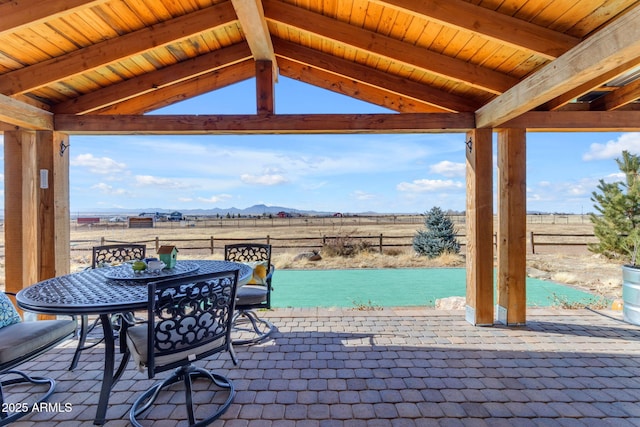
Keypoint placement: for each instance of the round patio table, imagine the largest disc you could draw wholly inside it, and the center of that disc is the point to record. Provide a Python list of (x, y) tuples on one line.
[(108, 291)]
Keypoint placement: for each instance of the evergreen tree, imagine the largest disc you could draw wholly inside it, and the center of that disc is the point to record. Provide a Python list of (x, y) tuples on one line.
[(439, 236), (617, 224)]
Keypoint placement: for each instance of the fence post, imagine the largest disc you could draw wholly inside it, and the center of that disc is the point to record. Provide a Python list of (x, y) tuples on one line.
[(102, 241), (157, 243), (268, 240), (533, 246), (211, 245), (380, 243)]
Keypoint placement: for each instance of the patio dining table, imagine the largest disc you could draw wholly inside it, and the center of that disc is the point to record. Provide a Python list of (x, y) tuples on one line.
[(106, 292)]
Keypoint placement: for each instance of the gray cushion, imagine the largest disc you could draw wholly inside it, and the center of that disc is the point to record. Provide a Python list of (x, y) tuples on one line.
[(137, 341), (26, 337), (251, 294)]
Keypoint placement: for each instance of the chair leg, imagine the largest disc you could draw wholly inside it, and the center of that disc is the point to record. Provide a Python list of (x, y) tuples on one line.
[(82, 338), (7, 417), (260, 327), (186, 374)]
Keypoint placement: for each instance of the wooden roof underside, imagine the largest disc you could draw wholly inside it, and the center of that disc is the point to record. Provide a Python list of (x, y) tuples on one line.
[(96, 66)]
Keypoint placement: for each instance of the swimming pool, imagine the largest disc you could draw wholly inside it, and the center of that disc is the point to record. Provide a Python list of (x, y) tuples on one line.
[(395, 288)]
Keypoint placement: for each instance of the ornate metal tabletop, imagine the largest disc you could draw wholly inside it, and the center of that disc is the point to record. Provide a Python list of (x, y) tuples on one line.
[(92, 292)]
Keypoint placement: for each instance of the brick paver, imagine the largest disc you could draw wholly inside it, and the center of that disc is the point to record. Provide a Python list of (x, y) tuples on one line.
[(391, 367)]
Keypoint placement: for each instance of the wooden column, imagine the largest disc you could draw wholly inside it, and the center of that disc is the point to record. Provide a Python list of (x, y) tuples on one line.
[(479, 219), (53, 207), (21, 210), (265, 87), (512, 220), (36, 219)]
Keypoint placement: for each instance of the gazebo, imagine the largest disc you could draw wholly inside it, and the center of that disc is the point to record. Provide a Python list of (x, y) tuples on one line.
[(73, 67)]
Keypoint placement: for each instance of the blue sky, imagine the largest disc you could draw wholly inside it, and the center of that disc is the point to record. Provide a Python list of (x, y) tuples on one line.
[(334, 173)]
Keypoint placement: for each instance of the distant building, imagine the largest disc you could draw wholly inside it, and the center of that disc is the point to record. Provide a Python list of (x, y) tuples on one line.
[(283, 214), (175, 216)]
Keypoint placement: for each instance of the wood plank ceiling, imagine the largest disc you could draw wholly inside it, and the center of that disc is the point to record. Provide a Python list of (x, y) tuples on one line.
[(82, 66)]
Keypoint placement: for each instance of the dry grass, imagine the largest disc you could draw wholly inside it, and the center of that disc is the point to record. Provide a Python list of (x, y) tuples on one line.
[(573, 265)]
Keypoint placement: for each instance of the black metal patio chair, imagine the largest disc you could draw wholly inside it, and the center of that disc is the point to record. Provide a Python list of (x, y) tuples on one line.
[(256, 294), (102, 256), (189, 319), (19, 342)]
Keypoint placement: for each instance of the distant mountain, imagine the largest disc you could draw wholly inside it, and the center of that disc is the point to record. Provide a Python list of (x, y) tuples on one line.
[(252, 210)]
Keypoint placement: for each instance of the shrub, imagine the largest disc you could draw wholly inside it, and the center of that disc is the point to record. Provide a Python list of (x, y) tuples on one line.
[(618, 203), (438, 238), (344, 245)]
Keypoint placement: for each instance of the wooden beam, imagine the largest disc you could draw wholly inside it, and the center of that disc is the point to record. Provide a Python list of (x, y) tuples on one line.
[(276, 124), (617, 43), (155, 80), (488, 23), (512, 227), (184, 90), (595, 84), (20, 114), (618, 98), (97, 55), (479, 224), (254, 26), (372, 77), (577, 121), (16, 15), (392, 49), (354, 89), (265, 99)]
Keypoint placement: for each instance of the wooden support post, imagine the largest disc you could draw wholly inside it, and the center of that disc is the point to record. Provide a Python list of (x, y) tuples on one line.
[(264, 87), (479, 217), (36, 218), (20, 219), (53, 214), (512, 228)]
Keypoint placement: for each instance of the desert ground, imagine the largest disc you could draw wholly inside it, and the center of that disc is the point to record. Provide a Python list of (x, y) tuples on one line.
[(574, 265)]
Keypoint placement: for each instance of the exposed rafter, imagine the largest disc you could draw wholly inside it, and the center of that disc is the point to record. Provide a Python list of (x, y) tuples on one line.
[(502, 28), (371, 77), (17, 15), (616, 44), (355, 89), (253, 24), (154, 81), (394, 50), (184, 90), (92, 57)]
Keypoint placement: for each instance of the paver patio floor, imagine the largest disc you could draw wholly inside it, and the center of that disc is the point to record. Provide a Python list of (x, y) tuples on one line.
[(394, 367)]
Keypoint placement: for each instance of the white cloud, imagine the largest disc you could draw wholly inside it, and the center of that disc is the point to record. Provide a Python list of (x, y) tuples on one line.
[(215, 199), (428, 185), (99, 165), (449, 169), (266, 179), (108, 189), (149, 180), (362, 195), (612, 149)]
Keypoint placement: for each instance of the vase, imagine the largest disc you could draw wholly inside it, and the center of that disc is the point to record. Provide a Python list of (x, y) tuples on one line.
[(631, 294)]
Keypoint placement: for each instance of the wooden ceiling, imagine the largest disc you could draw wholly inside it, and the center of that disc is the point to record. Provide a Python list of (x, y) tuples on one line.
[(96, 66)]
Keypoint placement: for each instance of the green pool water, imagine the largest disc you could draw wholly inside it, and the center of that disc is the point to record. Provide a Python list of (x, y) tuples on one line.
[(395, 288)]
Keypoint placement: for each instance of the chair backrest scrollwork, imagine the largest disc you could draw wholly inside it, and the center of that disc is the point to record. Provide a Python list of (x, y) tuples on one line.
[(109, 254), (190, 318)]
